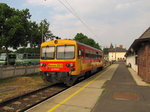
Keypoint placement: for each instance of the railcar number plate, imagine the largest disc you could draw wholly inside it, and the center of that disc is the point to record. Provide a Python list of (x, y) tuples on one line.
[(56, 69), (55, 65)]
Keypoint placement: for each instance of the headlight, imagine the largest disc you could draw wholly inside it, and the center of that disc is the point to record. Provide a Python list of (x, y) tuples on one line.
[(71, 65), (42, 64)]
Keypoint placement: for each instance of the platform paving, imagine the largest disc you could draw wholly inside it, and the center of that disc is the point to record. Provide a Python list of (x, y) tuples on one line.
[(122, 94)]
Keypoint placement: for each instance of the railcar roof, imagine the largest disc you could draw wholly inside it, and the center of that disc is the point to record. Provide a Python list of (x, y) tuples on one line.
[(61, 42), (58, 42), (88, 46)]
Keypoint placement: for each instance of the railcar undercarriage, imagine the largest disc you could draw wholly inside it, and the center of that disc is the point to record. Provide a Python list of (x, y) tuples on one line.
[(59, 77)]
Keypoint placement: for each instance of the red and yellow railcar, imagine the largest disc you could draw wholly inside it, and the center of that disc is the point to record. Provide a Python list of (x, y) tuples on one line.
[(67, 60)]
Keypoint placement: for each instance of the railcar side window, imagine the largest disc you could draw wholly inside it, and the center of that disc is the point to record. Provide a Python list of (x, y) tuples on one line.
[(87, 54), (65, 52), (80, 53), (19, 56), (12, 56), (2, 57), (47, 52)]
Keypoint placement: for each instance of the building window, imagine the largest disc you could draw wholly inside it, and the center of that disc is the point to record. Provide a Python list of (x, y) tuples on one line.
[(136, 60)]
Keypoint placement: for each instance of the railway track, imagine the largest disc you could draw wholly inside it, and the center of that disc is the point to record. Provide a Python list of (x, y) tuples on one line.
[(26, 101)]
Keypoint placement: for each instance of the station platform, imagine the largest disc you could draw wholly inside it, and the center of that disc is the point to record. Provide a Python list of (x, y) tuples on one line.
[(80, 98), (115, 89)]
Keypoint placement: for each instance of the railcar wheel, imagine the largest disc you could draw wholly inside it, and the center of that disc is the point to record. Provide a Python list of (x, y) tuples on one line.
[(70, 81), (49, 79), (46, 79), (99, 69), (87, 74)]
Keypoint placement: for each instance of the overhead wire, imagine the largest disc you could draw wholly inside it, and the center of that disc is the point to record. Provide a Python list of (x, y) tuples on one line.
[(74, 13)]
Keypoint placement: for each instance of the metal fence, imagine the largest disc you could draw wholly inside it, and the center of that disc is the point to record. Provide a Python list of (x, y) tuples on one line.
[(12, 71)]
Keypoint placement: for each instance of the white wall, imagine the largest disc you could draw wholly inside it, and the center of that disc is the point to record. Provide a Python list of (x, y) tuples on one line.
[(131, 60), (116, 55)]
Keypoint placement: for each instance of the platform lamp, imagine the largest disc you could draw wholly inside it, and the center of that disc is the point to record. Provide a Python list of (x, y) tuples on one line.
[(42, 31)]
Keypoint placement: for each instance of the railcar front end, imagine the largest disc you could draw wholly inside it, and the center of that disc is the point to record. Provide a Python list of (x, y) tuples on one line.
[(67, 60), (58, 61)]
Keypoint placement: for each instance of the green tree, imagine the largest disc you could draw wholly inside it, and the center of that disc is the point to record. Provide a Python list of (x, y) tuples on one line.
[(13, 26), (80, 37), (28, 50), (44, 28), (84, 39), (38, 33), (105, 51), (16, 30), (34, 35)]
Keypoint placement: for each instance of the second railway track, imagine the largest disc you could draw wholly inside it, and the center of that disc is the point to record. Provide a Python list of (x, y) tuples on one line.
[(26, 101)]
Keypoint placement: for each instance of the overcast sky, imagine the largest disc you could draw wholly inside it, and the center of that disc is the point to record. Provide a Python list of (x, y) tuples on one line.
[(109, 21)]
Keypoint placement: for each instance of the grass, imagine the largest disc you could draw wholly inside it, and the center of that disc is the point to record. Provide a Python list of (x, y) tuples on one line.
[(23, 84), (35, 76), (3, 82)]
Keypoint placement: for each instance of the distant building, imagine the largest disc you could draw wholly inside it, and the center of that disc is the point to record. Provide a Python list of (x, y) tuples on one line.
[(117, 54), (138, 55)]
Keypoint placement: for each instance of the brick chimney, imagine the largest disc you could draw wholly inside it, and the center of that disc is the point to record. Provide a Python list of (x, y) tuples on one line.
[(121, 46)]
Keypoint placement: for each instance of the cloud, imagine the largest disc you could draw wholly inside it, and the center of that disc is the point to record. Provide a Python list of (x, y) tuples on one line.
[(116, 21), (42, 2), (123, 6)]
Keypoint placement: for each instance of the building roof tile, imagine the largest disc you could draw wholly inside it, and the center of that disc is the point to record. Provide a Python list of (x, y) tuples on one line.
[(117, 49)]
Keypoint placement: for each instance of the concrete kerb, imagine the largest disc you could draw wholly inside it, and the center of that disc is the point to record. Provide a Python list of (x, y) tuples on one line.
[(137, 78)]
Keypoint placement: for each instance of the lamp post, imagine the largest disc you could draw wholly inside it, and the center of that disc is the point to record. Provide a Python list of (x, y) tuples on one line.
[(42, 32), (2, 22), (115, 52)]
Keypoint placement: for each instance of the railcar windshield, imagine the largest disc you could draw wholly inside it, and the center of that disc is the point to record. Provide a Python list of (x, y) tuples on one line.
[(66, 52), (47, 52)]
